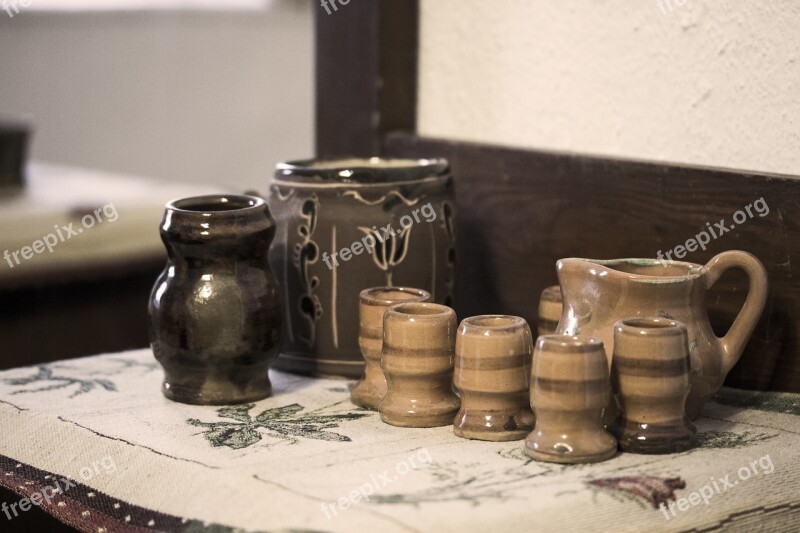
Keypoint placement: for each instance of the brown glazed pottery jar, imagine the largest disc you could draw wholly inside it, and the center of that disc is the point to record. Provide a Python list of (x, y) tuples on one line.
[(347, 225), (492, 373), (650, 373), (569, 390), (371, 388), (215, 312), (550, 307), (418, 358), (599, 293)]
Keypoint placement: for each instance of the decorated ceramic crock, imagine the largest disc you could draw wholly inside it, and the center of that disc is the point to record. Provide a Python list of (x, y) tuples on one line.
[(347, 225), (216, 312)]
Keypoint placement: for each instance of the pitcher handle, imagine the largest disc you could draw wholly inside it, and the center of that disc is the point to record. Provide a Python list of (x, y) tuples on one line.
[(734, 341)]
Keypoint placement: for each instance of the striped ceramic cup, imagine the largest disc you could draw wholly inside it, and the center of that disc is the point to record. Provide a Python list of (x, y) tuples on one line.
[(650, 374), (373, 303), (417, 359), (493, 362), (569, 390)]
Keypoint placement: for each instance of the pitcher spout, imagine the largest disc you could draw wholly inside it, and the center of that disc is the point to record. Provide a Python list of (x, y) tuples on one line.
[(575, 276), (595, 288)]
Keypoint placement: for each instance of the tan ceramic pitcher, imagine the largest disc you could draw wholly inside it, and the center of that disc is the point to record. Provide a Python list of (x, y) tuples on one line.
[(598, 293)]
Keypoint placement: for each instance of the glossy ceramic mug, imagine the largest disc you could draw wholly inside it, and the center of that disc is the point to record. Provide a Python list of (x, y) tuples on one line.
[(492, 373), (418, 358), (650, 372), (569, 390), (373, 303), (550, 306)]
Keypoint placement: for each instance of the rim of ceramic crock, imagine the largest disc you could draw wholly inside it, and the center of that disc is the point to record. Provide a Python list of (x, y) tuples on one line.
[(369, 296), (693, 269), (243, 203), (360, 170), (510, 321)]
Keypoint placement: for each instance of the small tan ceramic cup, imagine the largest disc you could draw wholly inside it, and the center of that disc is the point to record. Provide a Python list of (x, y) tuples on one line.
[(493, 362), (373, 303), (418, 358), (569, 390), (650, 374), (550, 306)]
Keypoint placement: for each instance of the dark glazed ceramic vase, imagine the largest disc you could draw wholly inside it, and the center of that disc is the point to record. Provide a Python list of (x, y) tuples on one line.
[(348, 225), (215, 312)]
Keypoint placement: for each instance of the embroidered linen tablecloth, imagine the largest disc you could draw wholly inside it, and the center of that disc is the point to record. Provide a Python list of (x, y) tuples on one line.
[(94, 443)]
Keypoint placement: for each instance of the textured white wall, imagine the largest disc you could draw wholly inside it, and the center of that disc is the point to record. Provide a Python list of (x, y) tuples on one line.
[(209, 97), (705, 82)]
